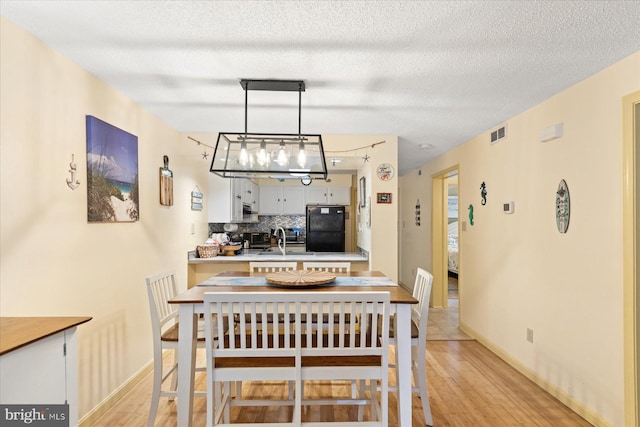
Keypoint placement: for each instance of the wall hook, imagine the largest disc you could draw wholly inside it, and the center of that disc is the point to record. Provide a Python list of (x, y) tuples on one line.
[(73, 182)]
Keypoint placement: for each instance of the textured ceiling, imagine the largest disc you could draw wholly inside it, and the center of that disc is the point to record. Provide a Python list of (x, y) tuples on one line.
[(432, 73)]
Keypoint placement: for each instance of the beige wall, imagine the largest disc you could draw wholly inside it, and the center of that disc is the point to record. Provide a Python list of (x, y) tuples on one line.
[(381, 244), (56, 264), (53, 262), (517, 271), (379, 235)]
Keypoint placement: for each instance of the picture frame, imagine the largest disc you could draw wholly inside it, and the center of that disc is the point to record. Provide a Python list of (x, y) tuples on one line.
[(363, 192), (112, 173), (196, 200), (384, 197)]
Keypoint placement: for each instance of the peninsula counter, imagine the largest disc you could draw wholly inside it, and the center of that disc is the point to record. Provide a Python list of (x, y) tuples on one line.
[(200, 269)]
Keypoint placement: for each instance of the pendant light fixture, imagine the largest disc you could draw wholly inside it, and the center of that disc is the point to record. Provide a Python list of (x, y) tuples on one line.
[(261, 155)]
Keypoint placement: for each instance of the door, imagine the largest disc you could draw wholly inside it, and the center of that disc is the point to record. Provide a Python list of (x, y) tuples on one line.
[(316, 195), (271, 200), (340, 195), (292, 201), (237, 192)]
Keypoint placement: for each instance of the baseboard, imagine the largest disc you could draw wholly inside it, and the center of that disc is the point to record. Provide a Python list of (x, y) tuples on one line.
[(92, 416), (559, 394)]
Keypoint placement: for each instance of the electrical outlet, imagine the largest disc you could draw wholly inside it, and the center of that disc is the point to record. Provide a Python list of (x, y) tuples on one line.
[(530, 335)]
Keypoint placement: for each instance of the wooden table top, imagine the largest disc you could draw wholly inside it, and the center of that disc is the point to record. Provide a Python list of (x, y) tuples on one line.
[(16, 332), (196, 294)]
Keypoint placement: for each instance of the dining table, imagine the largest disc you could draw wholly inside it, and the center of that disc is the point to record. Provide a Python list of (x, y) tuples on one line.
[(190, 306)]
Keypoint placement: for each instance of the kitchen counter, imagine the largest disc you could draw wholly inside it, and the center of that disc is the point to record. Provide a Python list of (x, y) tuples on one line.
[(200, 269), (249, 255)]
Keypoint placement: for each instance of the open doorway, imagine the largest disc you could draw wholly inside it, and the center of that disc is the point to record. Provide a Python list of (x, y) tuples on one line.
[(444, 228), (451, 184)]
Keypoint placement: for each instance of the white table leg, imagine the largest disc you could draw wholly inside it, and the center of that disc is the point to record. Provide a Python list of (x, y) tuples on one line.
[(186, 363), (403, 361)]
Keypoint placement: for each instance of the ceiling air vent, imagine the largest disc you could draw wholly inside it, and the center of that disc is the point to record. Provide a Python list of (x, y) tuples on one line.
[(498, 134)]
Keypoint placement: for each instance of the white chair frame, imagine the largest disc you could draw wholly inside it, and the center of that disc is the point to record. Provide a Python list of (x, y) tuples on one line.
[(270, 267), (161, 288), (331, 267), (308, 353), (419, 316)]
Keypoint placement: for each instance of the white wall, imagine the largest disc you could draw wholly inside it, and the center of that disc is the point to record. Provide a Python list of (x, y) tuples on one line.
[(53, 262), (517, 271)]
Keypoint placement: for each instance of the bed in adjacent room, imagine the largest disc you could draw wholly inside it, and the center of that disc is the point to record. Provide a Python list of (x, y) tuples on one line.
[(453, 247)]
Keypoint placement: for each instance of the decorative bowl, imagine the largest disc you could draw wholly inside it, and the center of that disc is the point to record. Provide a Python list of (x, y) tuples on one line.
[(230, 250)]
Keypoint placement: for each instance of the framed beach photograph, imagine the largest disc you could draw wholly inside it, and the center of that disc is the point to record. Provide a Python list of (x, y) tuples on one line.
[(112, 173)]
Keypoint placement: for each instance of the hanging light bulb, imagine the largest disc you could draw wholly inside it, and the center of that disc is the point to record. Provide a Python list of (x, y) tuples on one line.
[(262, 154), (244, 156), (283, 159), (302, 157)]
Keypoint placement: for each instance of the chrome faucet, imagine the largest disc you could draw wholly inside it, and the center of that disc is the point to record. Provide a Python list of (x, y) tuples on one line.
[(282, 243)]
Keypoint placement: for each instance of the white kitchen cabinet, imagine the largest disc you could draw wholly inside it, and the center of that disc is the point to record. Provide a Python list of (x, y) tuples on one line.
[(282, 200), (251, 195), (225, 199), (328, 195), (340, 195)]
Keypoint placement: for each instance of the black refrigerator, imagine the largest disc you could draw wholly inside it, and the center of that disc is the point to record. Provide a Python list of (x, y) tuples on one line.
[(325, 228)]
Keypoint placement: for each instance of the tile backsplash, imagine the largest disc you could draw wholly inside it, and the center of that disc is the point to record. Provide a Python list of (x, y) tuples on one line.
[(265, 224)]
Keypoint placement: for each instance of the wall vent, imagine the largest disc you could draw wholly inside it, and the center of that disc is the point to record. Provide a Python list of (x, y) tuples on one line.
[(498, 134)]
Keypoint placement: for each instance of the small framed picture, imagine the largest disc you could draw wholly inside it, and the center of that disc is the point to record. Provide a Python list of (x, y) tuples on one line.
[(384, 197), (196, 201), (363, 192)]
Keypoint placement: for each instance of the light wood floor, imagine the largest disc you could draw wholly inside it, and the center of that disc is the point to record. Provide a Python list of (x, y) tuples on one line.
[(468, 386)]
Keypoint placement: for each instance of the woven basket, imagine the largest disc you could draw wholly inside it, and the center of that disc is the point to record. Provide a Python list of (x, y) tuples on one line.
[(207, 251)]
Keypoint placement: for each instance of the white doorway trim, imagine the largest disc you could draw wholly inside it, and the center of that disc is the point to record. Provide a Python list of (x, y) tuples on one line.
[(439, 250), (630, 144)]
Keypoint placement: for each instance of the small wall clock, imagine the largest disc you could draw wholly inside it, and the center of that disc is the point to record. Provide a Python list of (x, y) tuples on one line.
[(385, 171)]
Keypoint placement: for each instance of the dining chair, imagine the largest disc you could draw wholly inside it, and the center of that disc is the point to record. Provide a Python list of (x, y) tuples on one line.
[(419, 317), (331, 267), (161, 288), (286, 350), (270, 267)]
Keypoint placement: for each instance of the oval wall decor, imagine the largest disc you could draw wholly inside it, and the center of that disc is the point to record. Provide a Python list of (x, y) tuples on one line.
[(563, 207)]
